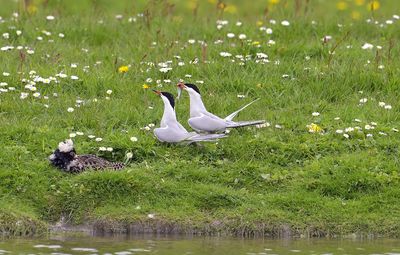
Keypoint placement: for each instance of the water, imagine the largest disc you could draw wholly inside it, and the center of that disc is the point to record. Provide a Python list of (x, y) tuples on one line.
[(195, 246)]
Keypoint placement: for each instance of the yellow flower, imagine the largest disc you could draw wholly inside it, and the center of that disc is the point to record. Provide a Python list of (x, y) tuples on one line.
[(359, 2), (274, 1), (314, 128), (123, 69), (231, 9), (256, 43), (373, 5), (259, 23), (145, 86), (191, 4), (221, 5), (31, 9), (355, 15), (341, 6)]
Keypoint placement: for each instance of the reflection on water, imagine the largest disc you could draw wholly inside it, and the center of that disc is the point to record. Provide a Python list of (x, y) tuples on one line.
[(176, 245)]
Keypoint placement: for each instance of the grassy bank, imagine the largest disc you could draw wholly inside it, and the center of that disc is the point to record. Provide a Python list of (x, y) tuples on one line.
[(17, 219), (338, 176)]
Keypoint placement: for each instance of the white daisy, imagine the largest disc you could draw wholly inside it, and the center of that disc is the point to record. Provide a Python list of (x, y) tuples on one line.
[(225, 54), (367, 46)]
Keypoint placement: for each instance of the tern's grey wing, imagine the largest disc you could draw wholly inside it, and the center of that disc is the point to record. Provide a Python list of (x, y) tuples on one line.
[(213, 116), (170, 134), (181, 127), (238, 124), (205, 137), (207, 123)]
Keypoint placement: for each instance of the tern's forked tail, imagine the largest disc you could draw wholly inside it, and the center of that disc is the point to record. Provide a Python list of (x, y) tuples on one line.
[(238, 124), (233, 115), (206, 137)]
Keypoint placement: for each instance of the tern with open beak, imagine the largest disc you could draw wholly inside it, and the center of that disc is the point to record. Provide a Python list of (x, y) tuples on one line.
[(203, 121), (171, 131)]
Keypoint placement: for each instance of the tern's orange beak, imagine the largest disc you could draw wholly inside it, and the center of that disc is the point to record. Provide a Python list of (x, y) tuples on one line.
[(157, 92), (181, 85)]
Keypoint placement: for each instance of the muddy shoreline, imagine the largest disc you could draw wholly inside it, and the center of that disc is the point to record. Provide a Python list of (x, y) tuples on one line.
[(158, 227)]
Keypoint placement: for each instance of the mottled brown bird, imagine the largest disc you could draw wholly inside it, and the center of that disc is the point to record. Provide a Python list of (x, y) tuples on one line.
[(66, 159)]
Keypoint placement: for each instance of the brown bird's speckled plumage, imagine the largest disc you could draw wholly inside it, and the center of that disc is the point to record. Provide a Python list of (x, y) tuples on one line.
[(66, 159), (82, 162)]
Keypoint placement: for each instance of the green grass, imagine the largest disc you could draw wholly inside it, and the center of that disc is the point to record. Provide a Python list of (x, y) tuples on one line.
[(267, 181)]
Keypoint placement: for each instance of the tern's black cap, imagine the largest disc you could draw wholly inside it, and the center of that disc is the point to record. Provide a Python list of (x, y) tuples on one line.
[(170, 98), (194, 87)]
